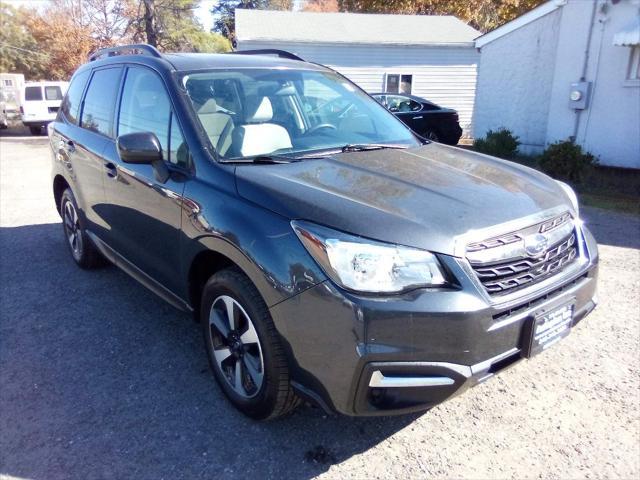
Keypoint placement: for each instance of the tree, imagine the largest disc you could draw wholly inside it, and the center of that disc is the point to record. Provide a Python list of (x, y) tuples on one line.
[(19, 51), (110, 20), (63, 39), (171, 25), (321, 6), (149, 22), (484, 15), (224, 13)]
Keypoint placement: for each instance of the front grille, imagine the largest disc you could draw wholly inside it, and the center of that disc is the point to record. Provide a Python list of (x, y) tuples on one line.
[(503, 265)]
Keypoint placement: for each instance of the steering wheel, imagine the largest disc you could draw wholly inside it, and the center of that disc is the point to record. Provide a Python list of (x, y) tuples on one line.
[(320, 127)]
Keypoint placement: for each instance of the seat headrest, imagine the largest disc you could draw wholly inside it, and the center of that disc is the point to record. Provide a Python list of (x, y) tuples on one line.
[(210, 106), (259, 110)]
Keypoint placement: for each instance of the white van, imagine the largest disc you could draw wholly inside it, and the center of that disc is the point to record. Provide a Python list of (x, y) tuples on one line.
[(40, 103), (4, 123)]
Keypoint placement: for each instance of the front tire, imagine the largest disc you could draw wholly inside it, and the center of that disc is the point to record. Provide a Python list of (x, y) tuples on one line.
[(35, 130), (82, 249), (243, 347)]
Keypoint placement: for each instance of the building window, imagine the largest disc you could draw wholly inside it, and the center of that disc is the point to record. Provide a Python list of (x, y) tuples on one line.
[(633, 73), (397, 83), (8, 83)]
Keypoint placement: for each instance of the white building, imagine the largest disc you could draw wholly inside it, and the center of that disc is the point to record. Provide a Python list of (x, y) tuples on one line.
[(11, 85), (429, 56), (567, 69)]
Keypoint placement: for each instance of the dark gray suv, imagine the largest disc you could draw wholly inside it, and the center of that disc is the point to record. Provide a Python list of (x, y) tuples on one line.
[(328, 253)]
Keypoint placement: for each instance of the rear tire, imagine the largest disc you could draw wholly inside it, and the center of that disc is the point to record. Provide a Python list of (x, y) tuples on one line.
[(431, 135), (245, 353), (82, 249)]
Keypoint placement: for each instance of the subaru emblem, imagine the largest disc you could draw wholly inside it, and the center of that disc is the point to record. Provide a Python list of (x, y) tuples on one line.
[(536, 245)]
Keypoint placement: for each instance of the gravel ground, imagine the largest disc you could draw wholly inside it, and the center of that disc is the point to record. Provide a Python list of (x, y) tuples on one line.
[(101, 379)]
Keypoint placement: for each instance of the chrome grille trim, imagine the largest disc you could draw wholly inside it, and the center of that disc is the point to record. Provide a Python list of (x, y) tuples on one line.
[(502, 265)]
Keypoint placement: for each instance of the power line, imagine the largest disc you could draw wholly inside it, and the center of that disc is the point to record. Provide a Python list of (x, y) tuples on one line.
[(6, 45)]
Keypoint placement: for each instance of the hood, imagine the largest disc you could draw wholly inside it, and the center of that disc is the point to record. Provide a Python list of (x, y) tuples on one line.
[(425, 197)]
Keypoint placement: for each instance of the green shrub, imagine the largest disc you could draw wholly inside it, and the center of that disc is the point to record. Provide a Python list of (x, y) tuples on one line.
[(566, 160), (501, 143)]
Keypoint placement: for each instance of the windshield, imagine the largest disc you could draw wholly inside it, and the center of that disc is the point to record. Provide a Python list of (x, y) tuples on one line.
[(251, 112)]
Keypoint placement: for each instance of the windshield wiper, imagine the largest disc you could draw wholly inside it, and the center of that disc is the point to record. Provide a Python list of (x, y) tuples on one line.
[(266, 159), (361, 147)]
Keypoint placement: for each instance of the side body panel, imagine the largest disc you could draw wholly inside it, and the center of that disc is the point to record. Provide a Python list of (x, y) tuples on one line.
[(260, 242)]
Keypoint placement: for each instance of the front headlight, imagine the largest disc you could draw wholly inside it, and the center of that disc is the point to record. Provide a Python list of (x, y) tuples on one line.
[(364, 265), (572, 196)]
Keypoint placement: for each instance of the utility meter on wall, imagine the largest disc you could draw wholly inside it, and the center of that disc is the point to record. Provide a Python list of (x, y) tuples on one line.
[(579, 96)]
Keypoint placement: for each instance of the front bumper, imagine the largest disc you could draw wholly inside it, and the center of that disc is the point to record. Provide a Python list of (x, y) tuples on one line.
[(385, 355)]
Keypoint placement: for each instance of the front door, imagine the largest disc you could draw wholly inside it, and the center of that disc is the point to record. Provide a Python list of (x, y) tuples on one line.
[(144, 214), (407, 110)]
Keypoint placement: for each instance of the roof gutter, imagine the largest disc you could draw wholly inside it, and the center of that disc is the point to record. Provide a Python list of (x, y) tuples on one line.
[(469, 44)]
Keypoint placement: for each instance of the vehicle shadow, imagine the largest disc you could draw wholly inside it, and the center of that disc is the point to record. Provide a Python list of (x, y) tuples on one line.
[(101, 379), (16, 130)]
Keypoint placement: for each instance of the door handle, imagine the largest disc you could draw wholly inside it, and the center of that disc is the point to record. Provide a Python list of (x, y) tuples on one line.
[(112, 171)]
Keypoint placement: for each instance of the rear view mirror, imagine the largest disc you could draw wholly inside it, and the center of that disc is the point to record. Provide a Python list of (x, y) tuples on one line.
[(143, 148)]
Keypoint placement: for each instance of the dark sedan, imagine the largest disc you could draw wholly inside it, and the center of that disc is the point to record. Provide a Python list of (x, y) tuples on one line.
[(423, 117)]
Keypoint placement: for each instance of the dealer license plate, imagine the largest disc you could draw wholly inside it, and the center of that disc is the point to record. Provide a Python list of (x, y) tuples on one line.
[(547, 328)]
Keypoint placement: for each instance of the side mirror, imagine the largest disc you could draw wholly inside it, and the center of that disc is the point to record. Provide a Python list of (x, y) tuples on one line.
[(139, 147), (143, 148)]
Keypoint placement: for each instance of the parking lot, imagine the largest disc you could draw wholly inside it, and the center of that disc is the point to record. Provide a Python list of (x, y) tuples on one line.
[(99, 378)]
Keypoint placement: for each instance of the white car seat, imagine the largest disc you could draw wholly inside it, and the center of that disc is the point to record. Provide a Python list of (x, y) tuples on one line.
[(257, 136)]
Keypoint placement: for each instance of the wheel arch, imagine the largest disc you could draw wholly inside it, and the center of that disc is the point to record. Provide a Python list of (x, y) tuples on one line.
[(60, 184), (203, 265)]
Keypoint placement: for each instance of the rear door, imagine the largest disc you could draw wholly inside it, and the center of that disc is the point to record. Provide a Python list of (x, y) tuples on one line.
[(81, 134), (142, 214), (33, 106), (53, 98)]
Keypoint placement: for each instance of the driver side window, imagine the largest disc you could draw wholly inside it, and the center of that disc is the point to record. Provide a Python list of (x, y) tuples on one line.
[(397, 103), (145, 106)]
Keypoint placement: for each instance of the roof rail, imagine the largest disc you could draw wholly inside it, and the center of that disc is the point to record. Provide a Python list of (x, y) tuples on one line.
[(134, 49), (269, 51)]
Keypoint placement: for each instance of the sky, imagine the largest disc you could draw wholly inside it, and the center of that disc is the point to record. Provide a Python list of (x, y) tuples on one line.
[(26, 3), (204, 13)]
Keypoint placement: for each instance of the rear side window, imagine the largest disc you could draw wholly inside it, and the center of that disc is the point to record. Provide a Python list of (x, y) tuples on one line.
[(99, 102), (32, 94), (71, 104), (53, 93)]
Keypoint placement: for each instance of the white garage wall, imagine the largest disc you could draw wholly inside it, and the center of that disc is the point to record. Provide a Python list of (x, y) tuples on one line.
[(610, 127), (444, 75), (515, 81), (525, 78)]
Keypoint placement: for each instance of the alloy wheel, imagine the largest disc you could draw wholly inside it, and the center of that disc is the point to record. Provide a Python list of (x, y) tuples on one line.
[(72, 229), (236, 347), (431, 135)]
